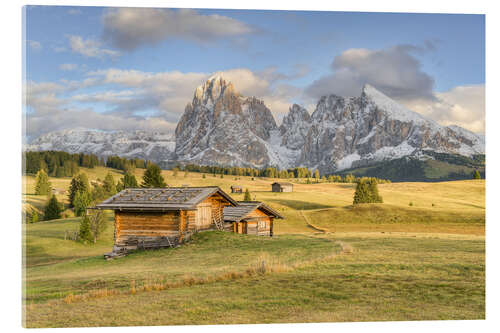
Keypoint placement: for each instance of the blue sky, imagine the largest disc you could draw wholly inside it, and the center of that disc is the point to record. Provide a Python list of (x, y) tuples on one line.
[(126, 68)]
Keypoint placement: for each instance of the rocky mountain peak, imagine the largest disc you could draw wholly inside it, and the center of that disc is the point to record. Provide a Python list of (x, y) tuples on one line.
[(212, 90), (222, 127)]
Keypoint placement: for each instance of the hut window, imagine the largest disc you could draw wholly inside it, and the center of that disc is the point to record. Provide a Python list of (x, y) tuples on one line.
[(262, 224)]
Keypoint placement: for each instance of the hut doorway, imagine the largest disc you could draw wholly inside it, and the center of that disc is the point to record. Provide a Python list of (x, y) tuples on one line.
[(203, 216)]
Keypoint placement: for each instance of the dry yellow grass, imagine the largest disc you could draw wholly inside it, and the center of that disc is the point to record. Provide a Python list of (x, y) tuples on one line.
[(428, 256)]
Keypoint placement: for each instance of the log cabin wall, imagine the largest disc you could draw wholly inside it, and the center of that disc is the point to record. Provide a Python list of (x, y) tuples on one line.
[(135, 228), (207, 210), (258, 223)]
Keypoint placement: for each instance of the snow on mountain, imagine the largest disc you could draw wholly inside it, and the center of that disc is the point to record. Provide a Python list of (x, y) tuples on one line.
[(356, 131), (222, 127), (135, 144)]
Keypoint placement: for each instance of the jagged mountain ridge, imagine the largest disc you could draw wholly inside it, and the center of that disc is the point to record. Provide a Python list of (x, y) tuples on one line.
[(222, 127), (131, 144), (350, 132)]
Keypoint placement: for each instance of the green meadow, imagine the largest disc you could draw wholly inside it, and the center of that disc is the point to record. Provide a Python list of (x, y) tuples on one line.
[(420, 255)]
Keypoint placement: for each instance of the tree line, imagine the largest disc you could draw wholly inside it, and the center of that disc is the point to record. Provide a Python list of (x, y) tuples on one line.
[(62, 164), (272, 172)]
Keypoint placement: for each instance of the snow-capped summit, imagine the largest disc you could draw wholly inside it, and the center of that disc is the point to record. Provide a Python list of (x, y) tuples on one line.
[(132, 144), (357, 131), (213, 89), (222, 127)]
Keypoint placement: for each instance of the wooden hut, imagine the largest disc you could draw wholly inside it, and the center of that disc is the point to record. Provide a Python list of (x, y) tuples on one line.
[(236, 189), (163, 217), (251, 217), (282, 187)]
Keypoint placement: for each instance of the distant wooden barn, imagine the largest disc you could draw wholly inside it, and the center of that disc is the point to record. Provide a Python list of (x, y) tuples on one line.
[(251, 217), (164, 217), (236, 189), (282, 187)]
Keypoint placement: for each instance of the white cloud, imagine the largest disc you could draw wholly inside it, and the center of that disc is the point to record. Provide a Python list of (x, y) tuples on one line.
[(90, 48), (129, 28), (397, 72), (463, 106), (50, 110), (68, 67), (163, 95)]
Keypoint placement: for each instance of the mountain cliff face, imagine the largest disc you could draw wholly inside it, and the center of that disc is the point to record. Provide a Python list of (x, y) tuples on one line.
[(222, 127), (134, 144), (351, 132)]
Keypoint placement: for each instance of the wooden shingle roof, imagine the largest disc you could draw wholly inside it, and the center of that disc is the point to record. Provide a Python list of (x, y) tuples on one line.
[(170, 198), (238, 213), (283, 183)]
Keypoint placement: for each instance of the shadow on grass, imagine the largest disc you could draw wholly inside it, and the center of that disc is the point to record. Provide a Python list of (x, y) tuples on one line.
[(297, 204)]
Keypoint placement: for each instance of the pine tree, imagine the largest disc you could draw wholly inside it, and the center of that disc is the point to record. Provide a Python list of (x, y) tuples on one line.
[(152, 177), (97, 223), (247, 196), (477, 175), (109, 184), (373, 189), (43, 186), (129, 181), (81, 202), (79, 183), (84, 233), (34, 216), (362, 194), (53, 209)]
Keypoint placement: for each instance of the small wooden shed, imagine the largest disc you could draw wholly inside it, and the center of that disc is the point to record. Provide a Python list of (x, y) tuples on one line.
[(282, 187), (236, 189), (163, 217), (251, 217)]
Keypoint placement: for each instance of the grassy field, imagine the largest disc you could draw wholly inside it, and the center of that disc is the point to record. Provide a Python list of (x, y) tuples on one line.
[(390, 261)]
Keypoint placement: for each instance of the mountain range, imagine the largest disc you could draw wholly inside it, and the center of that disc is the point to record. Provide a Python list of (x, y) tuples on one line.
[(222, 127)]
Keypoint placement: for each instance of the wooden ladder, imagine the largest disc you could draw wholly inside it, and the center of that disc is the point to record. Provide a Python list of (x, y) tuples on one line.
[(218, 224), (169, 243)]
